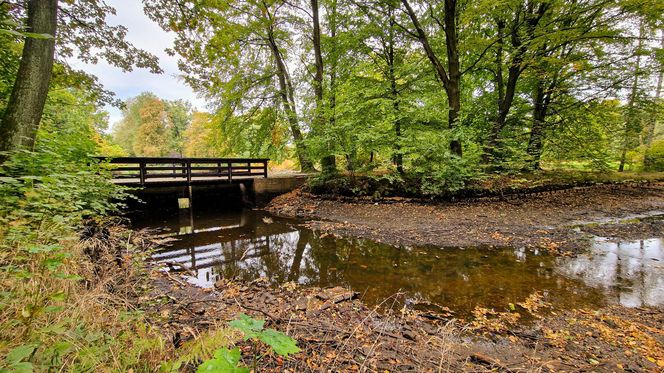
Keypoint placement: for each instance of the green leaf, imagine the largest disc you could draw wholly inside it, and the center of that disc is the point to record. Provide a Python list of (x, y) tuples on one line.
[(19, 353), (43, 248), (51, 309), (225, 361), (8, 180), (280, 342), (231, 356), (23, 367), (247, 325)]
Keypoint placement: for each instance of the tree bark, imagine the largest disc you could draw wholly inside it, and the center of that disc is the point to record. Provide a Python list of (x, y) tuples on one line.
[(328, 161), (19, 126), (288, 101), (454, 68), (507, 90)]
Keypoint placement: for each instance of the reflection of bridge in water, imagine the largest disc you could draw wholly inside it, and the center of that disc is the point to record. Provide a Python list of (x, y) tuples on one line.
[(231, 244)]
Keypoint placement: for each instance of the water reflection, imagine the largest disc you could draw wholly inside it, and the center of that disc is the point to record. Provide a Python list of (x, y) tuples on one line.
[(634, 270), (248, 244)]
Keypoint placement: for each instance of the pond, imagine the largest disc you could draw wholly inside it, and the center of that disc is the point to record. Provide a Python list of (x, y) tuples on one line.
[(248, 244)]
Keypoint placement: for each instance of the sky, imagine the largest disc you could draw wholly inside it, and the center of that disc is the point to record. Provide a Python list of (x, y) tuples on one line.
[(147, 35)]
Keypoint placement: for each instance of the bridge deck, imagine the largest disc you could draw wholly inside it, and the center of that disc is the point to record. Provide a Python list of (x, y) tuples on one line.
[(149, 171)]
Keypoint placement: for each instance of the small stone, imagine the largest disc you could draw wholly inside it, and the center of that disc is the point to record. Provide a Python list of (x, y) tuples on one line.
[(322, 296), (302, 303), (409, 334)]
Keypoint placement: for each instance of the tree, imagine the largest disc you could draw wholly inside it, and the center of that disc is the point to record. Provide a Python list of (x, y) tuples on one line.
[(248, 41), (152, 138), (153, 127), (19, 125), (82, 31), (449, 75), (328, 161)]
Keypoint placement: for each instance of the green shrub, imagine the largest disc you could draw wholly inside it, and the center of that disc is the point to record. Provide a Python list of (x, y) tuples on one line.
[(654, 157)]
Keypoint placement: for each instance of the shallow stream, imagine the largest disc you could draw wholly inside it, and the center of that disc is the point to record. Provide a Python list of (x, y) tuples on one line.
[(247, 244)]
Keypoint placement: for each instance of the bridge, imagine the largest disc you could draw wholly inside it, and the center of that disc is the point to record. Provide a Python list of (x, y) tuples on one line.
[(236, 179), (173, 171)]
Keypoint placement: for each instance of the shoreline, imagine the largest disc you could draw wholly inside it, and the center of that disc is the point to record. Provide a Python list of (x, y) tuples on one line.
[(560, 222)]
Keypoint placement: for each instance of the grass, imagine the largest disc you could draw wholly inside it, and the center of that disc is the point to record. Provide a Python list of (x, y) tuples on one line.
[(87, 314)]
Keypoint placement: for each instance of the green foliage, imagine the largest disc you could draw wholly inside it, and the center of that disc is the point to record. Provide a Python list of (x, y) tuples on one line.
[(282, 344), (228, 361), (225, 361), (46, 196), (153, 127), (654, 157)]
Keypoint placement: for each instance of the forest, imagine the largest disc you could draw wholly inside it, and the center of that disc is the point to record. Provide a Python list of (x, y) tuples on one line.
[(444, 88), (433, 98)]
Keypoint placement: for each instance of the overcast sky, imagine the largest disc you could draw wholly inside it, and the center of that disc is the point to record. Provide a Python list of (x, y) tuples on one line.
[(147, 35)]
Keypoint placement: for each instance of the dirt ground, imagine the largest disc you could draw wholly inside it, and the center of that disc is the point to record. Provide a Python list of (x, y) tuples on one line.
[(339, 333), (541, 220)]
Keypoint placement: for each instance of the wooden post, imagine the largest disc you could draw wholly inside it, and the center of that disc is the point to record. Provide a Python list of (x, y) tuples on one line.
[(188, 166), (230, 171), (142, 172), (265, 169)]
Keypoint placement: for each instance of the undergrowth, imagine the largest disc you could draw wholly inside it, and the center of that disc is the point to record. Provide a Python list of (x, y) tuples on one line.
[(72, 276)]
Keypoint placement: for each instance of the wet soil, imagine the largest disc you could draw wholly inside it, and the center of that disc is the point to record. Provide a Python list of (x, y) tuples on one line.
[(339, 333), (540, 220)]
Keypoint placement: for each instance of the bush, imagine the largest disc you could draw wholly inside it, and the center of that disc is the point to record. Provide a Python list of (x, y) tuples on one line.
[(654, 157)]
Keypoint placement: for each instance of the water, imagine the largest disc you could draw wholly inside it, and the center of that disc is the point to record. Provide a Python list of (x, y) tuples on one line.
[(246, 244)]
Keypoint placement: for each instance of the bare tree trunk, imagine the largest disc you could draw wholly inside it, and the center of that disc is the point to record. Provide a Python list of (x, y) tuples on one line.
[(288, 101), (328, 162), (18, 129)]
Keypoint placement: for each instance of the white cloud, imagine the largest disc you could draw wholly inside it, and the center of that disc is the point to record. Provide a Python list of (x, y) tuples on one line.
[(147, 35)]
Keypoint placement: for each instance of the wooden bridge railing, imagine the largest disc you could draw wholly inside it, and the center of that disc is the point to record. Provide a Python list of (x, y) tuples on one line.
[(142, 170)]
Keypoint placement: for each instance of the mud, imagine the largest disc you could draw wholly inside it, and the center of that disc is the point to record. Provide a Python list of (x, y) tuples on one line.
[(544, 220)]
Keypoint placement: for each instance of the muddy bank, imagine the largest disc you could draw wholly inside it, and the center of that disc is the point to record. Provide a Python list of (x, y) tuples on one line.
[(336, 331), (544, 220)]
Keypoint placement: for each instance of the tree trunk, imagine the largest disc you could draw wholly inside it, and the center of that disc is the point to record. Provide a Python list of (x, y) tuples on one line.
[(19, 126), (454, 68), (650, 134), (450, 83), (328, 162), (394, 93), (536, 142), (629, 120), (288, 101)]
